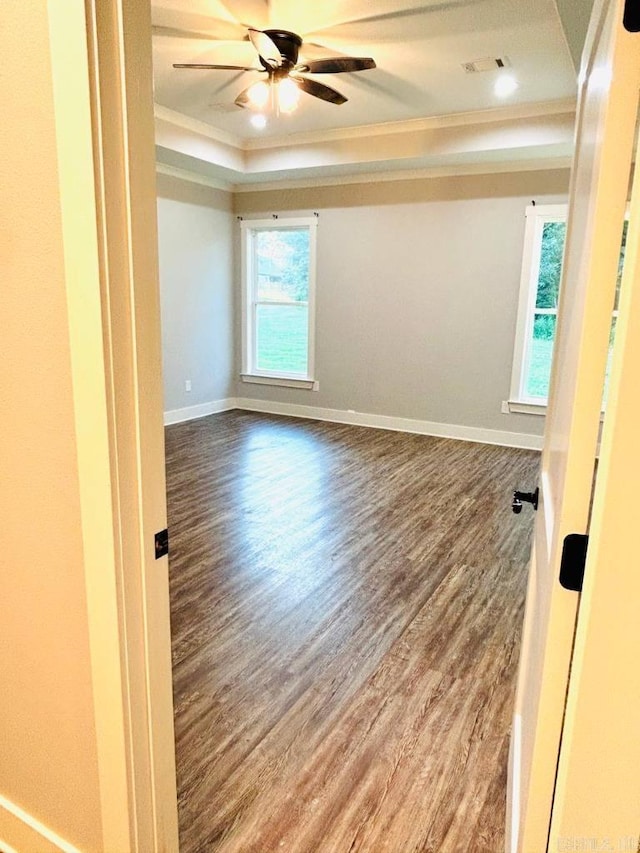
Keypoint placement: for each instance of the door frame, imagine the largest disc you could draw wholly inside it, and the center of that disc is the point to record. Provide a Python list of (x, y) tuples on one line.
[(101, 60), (102, 72)]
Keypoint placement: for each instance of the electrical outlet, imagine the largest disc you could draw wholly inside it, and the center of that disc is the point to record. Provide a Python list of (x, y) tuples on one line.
[(187, 385)]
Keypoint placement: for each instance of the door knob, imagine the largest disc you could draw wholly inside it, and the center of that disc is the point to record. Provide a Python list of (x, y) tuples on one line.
[(524, 497)]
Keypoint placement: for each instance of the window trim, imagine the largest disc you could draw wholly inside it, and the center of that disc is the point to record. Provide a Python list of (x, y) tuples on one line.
[(249, 373), (536, 216)]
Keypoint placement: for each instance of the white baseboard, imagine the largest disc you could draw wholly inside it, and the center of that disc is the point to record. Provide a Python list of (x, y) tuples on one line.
[(190, 413), (20, 832), (526, 441), (513, 790)]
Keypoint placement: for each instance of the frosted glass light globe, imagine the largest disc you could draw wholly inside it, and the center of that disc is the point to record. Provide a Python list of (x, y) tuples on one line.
[(258, 95), (288, 95)]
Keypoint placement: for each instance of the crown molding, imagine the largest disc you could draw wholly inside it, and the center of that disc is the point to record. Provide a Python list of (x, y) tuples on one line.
[(475, 117), (200, 127), (507, 113), (487, 168), (468, 169), (194, 177), (516, 138)]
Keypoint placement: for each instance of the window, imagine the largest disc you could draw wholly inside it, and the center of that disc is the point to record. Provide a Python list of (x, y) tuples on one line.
[(538, 308), (537, 312), (278, 279)]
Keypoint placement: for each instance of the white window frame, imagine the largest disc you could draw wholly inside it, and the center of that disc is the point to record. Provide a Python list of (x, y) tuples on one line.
[(536, 215), (249, 228)]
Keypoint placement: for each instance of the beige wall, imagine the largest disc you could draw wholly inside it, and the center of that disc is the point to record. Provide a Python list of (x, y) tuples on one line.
[(48, 761), (195, 233), (417, 289)]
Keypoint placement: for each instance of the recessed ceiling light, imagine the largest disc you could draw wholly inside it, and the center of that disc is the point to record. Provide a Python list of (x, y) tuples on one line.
[(258, 120), (505, 85)]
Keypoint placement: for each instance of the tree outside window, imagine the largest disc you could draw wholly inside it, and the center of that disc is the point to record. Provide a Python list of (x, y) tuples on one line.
[(539, 298)]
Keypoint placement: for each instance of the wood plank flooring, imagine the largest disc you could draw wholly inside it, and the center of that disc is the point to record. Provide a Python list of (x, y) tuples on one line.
[(346, 612)]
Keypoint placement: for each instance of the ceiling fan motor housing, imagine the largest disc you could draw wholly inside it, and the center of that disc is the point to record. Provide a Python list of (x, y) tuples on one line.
[(288, 44)]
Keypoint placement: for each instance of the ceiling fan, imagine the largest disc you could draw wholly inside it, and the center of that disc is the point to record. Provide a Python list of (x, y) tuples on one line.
[(278, 54)]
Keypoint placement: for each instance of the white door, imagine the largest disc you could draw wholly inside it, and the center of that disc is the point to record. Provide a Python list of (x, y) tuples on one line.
[(597, 798), (607, 109)]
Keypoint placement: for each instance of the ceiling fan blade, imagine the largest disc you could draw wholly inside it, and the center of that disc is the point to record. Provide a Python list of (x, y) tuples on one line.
[(318, 90), (215, 67), (178, 32), (256, 11), (266, 47), (183, 24), (243, 98), (386, 10), (337, 65), (226, 81)]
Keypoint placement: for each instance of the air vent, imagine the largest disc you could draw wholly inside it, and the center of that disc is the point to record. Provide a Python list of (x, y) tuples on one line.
[(488, 64)]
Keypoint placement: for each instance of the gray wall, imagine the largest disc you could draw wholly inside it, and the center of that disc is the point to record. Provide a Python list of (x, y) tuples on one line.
[(195, 235), (417, 292)]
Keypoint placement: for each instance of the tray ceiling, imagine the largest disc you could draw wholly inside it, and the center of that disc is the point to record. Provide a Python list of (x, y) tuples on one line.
[(419, 48)]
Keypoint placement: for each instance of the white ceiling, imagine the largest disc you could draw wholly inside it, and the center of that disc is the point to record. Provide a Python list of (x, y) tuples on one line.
[(419, 48)]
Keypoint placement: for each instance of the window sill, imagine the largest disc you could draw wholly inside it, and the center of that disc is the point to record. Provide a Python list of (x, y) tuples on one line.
[(515, 406), (283, 381), (522, 408)]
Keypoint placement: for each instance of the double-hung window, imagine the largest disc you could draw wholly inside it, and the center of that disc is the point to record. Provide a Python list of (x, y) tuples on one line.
[(538, 307), (278, 278)]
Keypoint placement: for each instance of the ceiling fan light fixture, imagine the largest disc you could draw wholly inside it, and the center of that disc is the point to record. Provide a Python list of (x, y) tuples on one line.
[(288, 95), (258, 95), (278, 54)]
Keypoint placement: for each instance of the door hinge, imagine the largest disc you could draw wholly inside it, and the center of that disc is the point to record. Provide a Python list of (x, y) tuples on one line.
[(631, 16), (574, 557), (162, 543)]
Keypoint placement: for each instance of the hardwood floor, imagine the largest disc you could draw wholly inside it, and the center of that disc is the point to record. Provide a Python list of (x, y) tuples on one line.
[(346, 613)]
